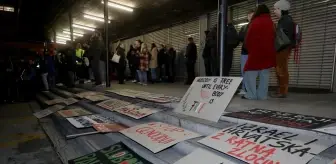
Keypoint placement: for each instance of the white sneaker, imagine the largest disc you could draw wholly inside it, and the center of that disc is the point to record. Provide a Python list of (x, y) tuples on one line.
[(140, 83), (144, 84), (134, 81), (241, 92)]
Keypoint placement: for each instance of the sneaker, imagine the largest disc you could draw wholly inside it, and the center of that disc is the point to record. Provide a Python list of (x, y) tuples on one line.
[(134, 81), (241, 92), (144, 84), (140, 83)]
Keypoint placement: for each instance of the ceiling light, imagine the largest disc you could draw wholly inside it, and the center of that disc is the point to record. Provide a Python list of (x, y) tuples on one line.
[(84, 27), (95, 18), (60, 42), (119, 6), (242, 24), (62, 38), (75, 34)]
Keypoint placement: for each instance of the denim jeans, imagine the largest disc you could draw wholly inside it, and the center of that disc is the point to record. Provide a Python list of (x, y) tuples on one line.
[(153, 74), (243, 59), (142, 76), (45, 81), (250, 78)]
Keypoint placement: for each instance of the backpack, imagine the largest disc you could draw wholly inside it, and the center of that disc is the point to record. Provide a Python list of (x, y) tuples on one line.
[(298, 41)]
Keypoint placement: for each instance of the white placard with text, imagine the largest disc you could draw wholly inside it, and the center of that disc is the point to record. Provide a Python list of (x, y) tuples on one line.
[(48, 111), (208, 97), (261, 144), (136, 111), (157, 136), (201, 156)]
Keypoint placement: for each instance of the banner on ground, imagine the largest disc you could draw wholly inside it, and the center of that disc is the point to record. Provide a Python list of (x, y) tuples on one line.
[(201, 156), (95, 98), (88, 121), (109, 127), (88, 93), (74, 112), (123, 92), (260, 144), (48, 111), (113, 104), (116, 154), (54, 101), (283, 118), (136, 111), (329, 129), (70, 101), (157, 136), (208, 97)]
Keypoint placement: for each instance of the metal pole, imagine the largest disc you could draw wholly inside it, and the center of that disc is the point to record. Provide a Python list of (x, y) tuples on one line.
[(257, 3), (332, 85), (223, 34), (70, 23), (219, 18), (106, 17)]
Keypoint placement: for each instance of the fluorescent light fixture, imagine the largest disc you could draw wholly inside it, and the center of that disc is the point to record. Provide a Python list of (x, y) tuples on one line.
[(9, 9), (242, 24), (75, 34), (119, 6), (83, 27), (62, 38), (95, 18), (61, 42)]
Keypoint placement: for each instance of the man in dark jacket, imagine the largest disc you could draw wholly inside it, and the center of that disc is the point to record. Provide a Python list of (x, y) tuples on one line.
[(70, 62), (286, 25), (161, 61), (121, 66), (95, 53), (244, 53), (191, 57)]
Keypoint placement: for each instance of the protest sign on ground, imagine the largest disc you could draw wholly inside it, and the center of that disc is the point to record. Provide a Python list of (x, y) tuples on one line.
[(88, 121), (88, 93), (70, 101), (136, 111), (113, 104), (116, 154), (95, 98), (109, 127), (48, 111), (157, 136), (74, 112), (54, 101), (208, 97), (202, 156), (260, 144)]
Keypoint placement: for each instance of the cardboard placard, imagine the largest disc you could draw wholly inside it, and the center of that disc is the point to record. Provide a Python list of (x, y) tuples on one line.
[(136, 111), (329, 130), (85, 94), (95, 98), (201, 156), (208, 97), (115, 154), (109, 128), (70, 101), (260, 144), (48, 111), (54, 101), (74, 112), (88, 121), (283, 118), (157, 136), (122, 93), (113, 104), (333, 162)]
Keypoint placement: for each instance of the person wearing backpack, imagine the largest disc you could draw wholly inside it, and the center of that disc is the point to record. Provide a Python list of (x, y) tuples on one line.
[(285, 42)]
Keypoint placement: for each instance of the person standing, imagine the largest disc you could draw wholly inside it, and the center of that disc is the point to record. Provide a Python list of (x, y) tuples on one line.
[(138, 44), (161, 61), (244, 53), (191, 57), (285, 26), (153, 63), (170, 63), (144, 64), (70, 63), (79, 62), (95, 53), (260, 46), (232, 43), (121, 66), (131, 59)]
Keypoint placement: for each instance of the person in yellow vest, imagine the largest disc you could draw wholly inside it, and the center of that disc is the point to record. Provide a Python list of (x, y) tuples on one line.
[(79, 62)]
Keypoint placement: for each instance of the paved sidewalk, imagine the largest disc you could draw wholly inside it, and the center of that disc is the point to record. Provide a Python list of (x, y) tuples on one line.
[(22, 140)]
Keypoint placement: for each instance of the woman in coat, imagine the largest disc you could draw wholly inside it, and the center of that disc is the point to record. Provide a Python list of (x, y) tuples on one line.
[(144, 64), (260, 45), (153, 63), (131, 62), (121, 66)]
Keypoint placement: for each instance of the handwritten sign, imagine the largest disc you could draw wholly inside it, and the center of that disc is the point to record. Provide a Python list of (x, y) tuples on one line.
[(95, 98), (157, 136), (261, 144), (48, 111), (70, 101), (329, 129), (74, 112), (54, 101), (201, 156), (88, 121), (113, 104), (85, 94), (208, 97), (283, 118), (108, 127), (136, 111), (116, 154)]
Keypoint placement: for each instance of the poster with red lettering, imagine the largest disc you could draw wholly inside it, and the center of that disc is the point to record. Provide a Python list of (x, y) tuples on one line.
[(202, 156), (261, 144), (208, 97), (157, 136), (136, 111)]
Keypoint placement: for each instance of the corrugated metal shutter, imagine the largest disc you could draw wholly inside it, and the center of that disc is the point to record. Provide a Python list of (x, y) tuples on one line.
[(213, 16), (157, 37)]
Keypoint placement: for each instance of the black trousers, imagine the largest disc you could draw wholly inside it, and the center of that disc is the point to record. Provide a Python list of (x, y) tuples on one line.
[(121, 74), (190, 71), (133, 71), (208, 66), (96, 71)]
